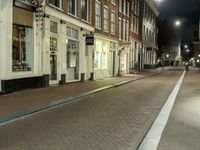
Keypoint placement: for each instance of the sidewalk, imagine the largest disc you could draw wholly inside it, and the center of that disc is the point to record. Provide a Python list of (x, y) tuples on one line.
[(183, 128), (29, 99)]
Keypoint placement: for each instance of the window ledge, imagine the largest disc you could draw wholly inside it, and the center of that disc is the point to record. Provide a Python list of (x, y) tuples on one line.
[(55, 7), (73, 15), (97, 28), (86, 21), (113, 3)]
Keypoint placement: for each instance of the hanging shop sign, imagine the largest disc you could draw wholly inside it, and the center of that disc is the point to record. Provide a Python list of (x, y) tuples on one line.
[(89, 40)]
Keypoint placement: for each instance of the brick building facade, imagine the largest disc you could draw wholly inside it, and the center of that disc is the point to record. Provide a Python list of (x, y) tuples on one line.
[(71, 40)]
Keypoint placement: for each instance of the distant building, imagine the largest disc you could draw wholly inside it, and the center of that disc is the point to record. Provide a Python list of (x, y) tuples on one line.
[(124, 42), (149, 33), (105, 22), (135, 36), (196, 47)]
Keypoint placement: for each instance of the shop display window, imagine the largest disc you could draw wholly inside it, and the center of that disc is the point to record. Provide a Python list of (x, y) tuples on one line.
[(101, 55), (22, 48)]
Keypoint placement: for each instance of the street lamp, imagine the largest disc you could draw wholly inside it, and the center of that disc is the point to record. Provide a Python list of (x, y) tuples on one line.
[(177, 23), (187, 50), (186, 46)]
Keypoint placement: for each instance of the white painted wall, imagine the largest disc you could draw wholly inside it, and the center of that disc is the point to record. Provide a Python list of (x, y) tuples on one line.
[(6, 17), (46, 47), (5, 38)]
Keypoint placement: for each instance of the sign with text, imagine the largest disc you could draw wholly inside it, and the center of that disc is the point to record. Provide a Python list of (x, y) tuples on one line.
[(89, 40)]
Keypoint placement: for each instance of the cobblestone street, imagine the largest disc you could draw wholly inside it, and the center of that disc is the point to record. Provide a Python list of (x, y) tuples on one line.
[(114, 119)]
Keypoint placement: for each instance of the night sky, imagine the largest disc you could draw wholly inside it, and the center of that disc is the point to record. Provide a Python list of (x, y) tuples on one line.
[(186, 10)]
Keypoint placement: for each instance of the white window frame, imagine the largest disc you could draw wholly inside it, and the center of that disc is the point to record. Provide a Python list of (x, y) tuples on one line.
[(120, 5), (132, 28), (106, 19), (124, 30), (75, 8), (135, 24), (127, 30), (120, 28), (124, 7), (113, 22), (99, 15), (114, 2), (60, 5), (128, 8), (87, 10)]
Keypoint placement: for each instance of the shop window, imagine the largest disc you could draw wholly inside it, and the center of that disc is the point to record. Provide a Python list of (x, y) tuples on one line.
[(97, 58), (104, 55), (101, 55), (72, 54), (22, 48)]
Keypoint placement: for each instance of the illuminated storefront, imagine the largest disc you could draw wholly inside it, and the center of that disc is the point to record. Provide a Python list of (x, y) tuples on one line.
[(104, 56)]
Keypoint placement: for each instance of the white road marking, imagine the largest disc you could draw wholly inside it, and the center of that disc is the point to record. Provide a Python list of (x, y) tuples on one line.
[(153, 136)]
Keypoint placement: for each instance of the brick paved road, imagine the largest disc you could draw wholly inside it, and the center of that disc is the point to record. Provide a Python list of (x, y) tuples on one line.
[(24, 100), (183, 128), (115, 119)]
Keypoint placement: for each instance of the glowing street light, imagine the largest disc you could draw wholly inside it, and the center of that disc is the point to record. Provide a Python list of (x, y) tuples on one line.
[(187, 50), (186, 46), (177, 23)]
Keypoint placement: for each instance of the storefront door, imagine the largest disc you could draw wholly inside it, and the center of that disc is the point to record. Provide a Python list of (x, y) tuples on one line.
[(72, 60), (53, 60)]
